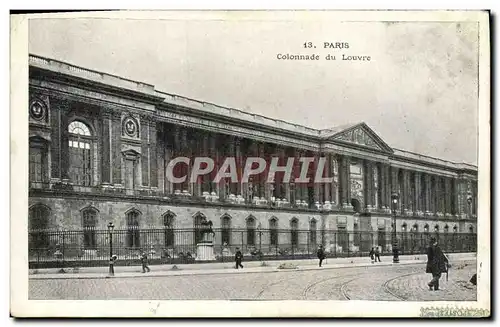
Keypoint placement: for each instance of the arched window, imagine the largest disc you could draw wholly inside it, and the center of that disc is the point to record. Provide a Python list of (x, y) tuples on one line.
[(273, 231), (250, 230), (89, 222), (471, 229), (38, 225), (168, 229), (133, 232), (226, 229), (312, 232), (294, 233), (80, 154), (198, 227)]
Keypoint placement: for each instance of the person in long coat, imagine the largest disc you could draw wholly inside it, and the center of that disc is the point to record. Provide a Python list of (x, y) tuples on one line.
[(321, 254), (437, 263)]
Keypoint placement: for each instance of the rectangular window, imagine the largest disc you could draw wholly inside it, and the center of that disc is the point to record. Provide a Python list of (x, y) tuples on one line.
[(37, 164)]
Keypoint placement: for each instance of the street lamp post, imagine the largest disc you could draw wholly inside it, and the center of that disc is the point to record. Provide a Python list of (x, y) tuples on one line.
[(111, 226), (395, 250)]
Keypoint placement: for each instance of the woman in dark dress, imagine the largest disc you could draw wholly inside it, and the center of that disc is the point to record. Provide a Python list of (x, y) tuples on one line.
[(437, 263)]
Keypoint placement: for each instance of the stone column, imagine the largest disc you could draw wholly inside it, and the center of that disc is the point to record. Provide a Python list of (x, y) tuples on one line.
[(240, 165), (336, 181), (328, 174), (366, 184), (455, 194), (381, 186), (406, 192), (417, 196), (295, 174), (341, 179), (447, 197), (373, 191), (427, 196), (315, 185), (286, 183), (213, 154), (345, 177), (387, 183), (436, 194), (305, 186)]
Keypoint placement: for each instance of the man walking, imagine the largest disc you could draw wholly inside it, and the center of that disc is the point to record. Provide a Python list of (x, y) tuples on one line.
[(321, 254), (437, 263), (144, 261), (377, 254), (238, 257), (372, 254)]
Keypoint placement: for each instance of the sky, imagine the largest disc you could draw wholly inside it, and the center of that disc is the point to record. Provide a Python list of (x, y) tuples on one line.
[(418, 92)]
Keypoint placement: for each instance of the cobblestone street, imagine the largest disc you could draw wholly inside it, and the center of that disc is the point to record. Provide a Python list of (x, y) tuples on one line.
[(391, 283)]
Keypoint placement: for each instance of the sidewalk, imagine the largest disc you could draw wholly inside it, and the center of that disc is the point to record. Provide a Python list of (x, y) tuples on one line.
[(228, 267)]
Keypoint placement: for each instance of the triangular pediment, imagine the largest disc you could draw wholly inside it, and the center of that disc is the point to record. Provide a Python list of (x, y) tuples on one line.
[(360, 134)]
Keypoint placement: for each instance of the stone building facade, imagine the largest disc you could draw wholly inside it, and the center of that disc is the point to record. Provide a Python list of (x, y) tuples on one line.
[(100, 145)]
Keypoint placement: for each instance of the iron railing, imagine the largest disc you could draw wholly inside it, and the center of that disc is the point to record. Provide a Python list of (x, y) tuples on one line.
[(90, 247)]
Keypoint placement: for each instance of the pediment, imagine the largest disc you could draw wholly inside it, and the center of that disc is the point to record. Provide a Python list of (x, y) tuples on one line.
[(363, 135)]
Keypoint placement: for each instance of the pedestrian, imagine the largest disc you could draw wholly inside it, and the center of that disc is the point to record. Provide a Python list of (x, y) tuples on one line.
[(372, 254), (238, 257), (437, 263), (144, 261), (321, 254), (377, 254)]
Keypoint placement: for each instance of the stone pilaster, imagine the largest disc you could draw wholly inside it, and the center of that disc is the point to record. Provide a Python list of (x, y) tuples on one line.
[(55, 135), (116, 143), (64, 137), (153, 163), (105, 144), (144, 127)]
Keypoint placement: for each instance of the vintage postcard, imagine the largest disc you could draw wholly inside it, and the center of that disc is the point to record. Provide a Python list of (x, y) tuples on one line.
[(250, 164)]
